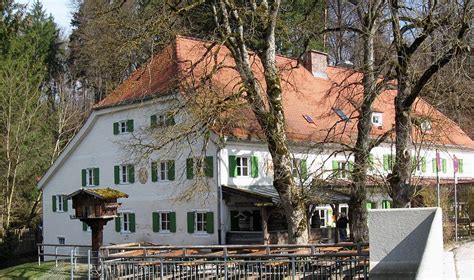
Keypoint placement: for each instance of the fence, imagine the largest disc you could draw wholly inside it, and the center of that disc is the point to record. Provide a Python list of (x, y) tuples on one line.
[(80, 258), (334, 261)]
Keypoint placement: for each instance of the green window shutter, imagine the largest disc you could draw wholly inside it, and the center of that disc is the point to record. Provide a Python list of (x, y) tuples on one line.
[(172, 221), (170, 120), (117, 224), (209, 171), (117, 174), (444, 165), (54, 203), (351, 166), (171, 170), (234, 221), (386, 204), (254, 167), (129, 125), (96, 176), (232, 166), (371, 161), (433, 163), (65, 203), (303, 169), (189, 168), (154, 171), (190, 222), (132, 222), (156, 221), (423, 164), (369, 205), (116, 128), (386, 162), (210, 222), (84, 226), (131, 173), (84, 177), (335, 168), (460, 166), (153, 120)]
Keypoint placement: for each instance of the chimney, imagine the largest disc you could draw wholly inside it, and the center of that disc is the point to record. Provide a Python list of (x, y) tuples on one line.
[(316, 62)]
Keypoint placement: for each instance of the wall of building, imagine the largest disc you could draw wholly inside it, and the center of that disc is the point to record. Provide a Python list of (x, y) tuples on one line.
[(101, 148)]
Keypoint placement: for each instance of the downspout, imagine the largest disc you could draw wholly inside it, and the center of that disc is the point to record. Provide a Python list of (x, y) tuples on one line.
[(219, 195)]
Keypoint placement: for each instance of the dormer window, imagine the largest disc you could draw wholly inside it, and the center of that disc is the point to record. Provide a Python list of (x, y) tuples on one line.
[(377, 118), (426, 126)]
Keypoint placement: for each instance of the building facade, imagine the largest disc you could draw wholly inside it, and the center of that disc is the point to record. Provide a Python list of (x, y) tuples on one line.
[(184, 193)]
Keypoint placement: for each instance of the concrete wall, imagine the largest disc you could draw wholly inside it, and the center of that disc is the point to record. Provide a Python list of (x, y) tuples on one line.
[(406, 243)]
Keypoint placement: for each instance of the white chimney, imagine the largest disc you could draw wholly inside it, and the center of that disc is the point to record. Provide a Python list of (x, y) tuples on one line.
[(316, 62)]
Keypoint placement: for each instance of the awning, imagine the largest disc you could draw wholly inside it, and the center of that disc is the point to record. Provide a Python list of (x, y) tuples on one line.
[(268, 194)]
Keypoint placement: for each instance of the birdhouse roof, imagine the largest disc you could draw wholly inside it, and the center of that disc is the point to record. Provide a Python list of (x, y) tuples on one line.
[(103, 193)]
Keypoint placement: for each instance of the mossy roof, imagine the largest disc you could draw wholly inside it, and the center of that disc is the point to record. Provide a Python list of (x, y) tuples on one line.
[(102, 193)]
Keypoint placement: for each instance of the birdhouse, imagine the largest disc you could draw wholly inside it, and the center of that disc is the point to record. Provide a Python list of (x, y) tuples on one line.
[(95, 203), (96, 207)]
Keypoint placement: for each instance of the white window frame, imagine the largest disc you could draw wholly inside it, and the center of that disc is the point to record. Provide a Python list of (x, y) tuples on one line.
[(168, 221), (123, 127), (241, 167), (426, 126), (123, 223), (203, 214), (343, 171), (59, 237), (344, 206), (324, 217), (379, 117), (60, 203), (90, 177), (123, 174), (162, 171)]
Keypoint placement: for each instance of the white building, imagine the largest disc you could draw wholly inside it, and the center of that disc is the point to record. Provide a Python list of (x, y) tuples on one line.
[(238, 170)]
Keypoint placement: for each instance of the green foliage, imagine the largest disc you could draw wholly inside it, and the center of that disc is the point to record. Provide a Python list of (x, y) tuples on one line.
[(28, 63)]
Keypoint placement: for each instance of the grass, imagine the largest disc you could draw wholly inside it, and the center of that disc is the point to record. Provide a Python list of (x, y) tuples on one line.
[(47, 270)]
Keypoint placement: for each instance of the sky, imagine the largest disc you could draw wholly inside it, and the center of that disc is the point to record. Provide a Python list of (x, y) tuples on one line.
[(61, 10)]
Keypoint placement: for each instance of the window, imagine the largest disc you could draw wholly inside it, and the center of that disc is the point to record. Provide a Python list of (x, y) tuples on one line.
[(162, 120), (242, 166), (299, 169), (163, 174), (344, 210), (162, 171), (377, 119), (425, 126), (90, 177), (341, 114), (322, 217), (124, 174), (125, 226), (444, 165), (386, 204), (420, 164), (165, 221), (122, 127), (59, 203), (201, 222), (341, 169), (61, 240)]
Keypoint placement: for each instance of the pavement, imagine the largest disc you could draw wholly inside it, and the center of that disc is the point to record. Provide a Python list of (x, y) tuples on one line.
[(459, 262)]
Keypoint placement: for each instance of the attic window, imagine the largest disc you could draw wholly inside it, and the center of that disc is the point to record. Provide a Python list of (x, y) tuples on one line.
[(309, 119), (377, 118), (425, 125), (341, 114)]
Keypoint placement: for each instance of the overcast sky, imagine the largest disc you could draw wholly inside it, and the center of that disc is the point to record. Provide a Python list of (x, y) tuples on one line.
[(60, 9)]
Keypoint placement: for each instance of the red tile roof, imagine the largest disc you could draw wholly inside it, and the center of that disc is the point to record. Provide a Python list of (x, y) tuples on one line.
[(181, 64)]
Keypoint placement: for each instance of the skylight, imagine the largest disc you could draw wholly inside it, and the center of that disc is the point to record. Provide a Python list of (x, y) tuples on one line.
[(308, 118), (341, 114)]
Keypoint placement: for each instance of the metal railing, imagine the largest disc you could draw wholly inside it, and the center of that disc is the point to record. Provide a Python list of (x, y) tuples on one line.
[(73, 255), (331, 261)]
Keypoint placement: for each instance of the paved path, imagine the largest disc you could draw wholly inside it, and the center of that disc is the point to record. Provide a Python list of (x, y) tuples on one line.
[(464, 261)]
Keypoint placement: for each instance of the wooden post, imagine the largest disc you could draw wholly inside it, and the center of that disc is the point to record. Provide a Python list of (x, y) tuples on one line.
[(266, 236), (336, 215)]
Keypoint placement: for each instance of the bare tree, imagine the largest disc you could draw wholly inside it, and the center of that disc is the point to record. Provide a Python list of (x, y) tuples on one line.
[(415, 29)]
